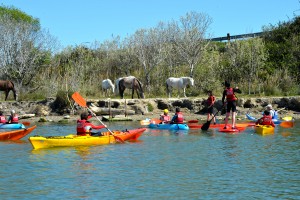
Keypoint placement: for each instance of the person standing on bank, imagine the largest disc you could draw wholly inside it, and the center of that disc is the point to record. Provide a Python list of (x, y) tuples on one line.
[(210, 106), (229, 94)]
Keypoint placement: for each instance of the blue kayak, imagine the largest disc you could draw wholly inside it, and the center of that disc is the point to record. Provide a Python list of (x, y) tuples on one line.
[(169, 126), (249, 117), (12, 126)]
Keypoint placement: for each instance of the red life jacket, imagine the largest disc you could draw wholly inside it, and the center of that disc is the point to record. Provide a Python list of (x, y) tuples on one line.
[(179, 119), (266, 120), (15, 119), (165, 118), (230, 95), (82, 127), (210, 100), (2, 119)]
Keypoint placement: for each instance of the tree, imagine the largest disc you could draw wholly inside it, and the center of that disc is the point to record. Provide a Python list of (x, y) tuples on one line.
[(25, 49), (189, 36)]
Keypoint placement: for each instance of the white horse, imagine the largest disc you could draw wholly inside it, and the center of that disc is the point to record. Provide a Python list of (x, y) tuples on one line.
[(179, 83), (106, 85)]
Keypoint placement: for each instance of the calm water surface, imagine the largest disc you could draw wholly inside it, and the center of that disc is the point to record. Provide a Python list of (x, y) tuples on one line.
[(162, 165)]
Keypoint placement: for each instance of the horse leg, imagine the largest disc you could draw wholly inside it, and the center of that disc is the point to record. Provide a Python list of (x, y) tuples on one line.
[(6, 94), (184, 92)]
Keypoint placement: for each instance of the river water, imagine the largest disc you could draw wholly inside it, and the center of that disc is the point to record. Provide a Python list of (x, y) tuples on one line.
[(161, 165)]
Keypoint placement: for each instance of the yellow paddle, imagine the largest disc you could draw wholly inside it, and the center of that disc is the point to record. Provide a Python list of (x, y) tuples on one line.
[(80, 101)]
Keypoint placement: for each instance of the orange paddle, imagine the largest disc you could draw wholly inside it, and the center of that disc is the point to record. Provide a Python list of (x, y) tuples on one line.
[(80, 101)]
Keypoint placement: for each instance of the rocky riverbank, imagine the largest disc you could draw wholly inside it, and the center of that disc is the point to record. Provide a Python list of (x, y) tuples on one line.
[(139, 109)]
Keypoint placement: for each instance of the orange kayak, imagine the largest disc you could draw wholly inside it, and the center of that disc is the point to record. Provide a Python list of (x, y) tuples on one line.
[(16, 134)]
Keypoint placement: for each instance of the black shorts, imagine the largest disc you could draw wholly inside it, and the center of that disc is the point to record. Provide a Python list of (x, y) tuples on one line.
[(210, 110), (231, 106)]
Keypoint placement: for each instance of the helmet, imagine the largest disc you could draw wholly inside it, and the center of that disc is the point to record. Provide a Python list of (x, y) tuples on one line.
[(12, 111), (166, 111), (269, 106)]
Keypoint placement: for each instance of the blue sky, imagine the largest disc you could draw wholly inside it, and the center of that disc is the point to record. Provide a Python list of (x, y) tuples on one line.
[(74, 22)]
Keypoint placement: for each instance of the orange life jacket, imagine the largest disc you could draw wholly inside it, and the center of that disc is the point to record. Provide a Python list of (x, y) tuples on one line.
[(165, 118), (230, 96)]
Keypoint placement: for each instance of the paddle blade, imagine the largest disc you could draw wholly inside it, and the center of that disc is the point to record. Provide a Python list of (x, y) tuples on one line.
[(155, 121), (289, 118), (193, 121), (26, 123), (79, 99), (205, 126), (287, 124)]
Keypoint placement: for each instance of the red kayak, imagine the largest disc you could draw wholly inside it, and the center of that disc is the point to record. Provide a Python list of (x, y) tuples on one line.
[(230, 130), (16, 134), (198, 126)]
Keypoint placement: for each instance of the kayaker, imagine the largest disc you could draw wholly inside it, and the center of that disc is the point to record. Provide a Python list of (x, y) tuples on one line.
[(2, 118), (165, 117), (210, 106), (178, 117), (229, 94), (273, 113), (13, 118), (84, 127), (266, 119)]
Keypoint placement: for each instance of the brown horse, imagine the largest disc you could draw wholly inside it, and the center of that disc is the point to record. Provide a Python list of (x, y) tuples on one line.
[(7, 86), (133, 83)]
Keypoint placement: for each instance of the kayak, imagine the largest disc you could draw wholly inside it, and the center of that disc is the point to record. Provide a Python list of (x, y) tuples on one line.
[(264, 129), (39, 142), (16, 134), (229, 129), (169, 126), (197, 126), (12, 126), (249, 117)]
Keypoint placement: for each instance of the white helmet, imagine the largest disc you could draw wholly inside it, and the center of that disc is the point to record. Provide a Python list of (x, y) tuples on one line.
[(12, 111), (269, 106)]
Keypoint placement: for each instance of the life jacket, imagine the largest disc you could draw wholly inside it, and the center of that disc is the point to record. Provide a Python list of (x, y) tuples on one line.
[(210, 100), (266, 120), (15, 119), (82, 127), (230, 96), (2, 119), (179, 119), (165, 118)]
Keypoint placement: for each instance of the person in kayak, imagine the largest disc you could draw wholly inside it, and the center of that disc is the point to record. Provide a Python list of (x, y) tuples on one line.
[(273, 113), (13, 118), (178, 117), (266, 119), (210, 106), (2, 118), (229, 94), (84, 127), (165, 117)]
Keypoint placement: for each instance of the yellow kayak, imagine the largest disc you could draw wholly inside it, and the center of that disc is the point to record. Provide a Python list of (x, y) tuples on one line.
[(264, 129), (71, 140)]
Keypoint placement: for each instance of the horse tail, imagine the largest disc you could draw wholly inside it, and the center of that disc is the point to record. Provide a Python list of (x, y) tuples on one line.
[(167, 86), (117, 86)]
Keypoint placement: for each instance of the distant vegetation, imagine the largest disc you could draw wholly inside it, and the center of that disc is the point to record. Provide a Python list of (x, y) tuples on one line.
[(269, 65)]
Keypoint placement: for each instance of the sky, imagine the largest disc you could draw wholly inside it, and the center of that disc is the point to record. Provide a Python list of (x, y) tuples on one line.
[(77, 22)]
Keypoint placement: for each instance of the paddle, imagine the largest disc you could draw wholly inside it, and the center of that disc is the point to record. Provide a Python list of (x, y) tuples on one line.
[(26, 123), (287, 124), (80, 101), (155, 121), (206, 125)]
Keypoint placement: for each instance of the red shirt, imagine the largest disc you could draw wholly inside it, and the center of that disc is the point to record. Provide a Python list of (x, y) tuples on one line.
[(211, 100), (2, 119), (230, 94)]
